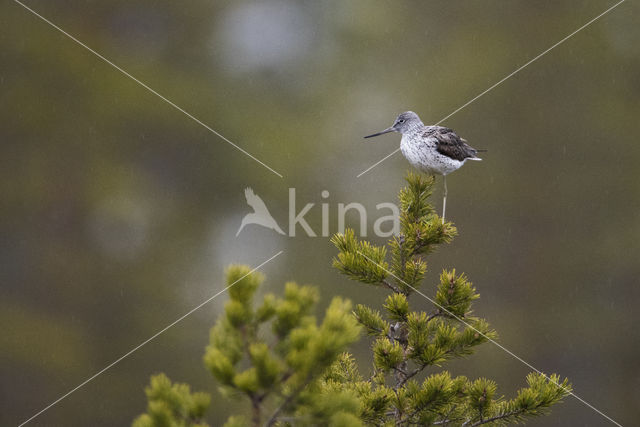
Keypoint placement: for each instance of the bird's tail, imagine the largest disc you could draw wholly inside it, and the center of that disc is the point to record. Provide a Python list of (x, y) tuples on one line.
[(478, 151)]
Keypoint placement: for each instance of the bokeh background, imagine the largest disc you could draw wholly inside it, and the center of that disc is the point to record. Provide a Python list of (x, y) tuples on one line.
[(119, 213)]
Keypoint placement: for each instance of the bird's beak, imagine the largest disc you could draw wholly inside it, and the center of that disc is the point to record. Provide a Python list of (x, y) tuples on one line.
[(387, 130)]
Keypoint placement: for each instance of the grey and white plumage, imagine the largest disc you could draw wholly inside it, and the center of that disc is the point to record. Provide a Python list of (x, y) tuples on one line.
[(434, 150)]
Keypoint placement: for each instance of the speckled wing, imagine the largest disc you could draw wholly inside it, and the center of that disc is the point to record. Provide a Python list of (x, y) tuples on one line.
[(449, 144)]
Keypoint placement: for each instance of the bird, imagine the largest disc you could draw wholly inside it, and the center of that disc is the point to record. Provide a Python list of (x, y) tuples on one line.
[(260, 214), (434, 150)]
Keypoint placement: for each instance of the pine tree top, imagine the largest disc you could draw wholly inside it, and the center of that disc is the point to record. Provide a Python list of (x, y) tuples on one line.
[(295, 370)]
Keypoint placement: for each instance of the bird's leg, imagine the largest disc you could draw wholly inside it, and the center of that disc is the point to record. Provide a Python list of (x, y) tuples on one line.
[(444, 201)]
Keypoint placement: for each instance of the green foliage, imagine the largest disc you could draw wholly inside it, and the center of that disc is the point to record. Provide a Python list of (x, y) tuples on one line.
[(455, 295), (277, 371), (372, 320), (408, 342), (397, 307), (293, 370), (359, 260), (172, 405), (274, 353)]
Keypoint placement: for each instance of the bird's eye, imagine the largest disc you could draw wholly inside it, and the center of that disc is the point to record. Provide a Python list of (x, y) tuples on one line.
[(401, 121)]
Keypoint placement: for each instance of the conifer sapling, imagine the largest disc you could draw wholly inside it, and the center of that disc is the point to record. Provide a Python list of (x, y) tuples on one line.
[(294, 370)]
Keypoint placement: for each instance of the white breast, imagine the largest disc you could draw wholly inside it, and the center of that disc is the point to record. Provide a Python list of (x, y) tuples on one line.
[(422, 155)]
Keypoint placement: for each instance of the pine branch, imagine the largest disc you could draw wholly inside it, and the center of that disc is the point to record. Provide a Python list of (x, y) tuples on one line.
[(412, 374), (391, 286), (255, 413), (312, 380), (274, 416), (495, 418), (418, 336)]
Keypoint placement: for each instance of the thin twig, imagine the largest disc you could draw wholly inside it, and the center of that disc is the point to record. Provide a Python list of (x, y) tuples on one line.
[(433, 315), (411, 375), (274, 417), (497, 417), (391, 286)]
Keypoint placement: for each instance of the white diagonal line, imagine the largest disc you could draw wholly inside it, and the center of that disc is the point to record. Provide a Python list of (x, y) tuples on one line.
[(508, 76), (378, 162), (177, 107), (143, 343), (500, 346)]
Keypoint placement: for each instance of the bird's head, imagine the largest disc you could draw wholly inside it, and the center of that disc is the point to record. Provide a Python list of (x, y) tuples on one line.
[(404, 123)]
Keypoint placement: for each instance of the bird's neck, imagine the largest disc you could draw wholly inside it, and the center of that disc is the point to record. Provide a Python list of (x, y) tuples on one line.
[(414, 128)]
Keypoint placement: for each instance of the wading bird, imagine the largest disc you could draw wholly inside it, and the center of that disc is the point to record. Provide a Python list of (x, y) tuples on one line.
[(434, 150)]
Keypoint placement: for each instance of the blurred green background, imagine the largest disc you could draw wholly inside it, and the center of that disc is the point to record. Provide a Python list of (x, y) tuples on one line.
[(119, 213)]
